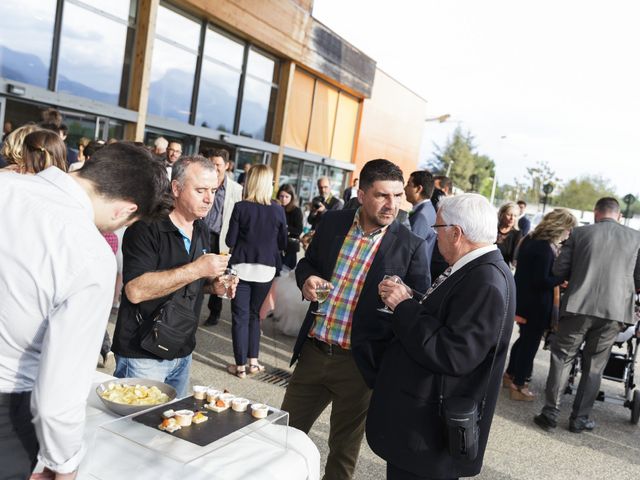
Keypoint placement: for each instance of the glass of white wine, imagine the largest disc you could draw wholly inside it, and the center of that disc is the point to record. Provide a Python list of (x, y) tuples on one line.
[(395, 279), (227, 280), (322, 292)]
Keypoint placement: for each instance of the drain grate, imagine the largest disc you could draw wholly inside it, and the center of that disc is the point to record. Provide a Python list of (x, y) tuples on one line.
[(278, 377)]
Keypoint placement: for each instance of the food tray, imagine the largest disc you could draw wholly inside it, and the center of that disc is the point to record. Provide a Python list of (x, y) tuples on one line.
[(218, 426)]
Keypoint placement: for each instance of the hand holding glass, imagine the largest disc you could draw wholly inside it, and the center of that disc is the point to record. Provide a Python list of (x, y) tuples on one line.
[(322, 293), (227, 280), (395, 279)]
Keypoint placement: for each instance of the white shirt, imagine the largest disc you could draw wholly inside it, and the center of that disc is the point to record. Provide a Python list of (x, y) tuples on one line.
[(469, 257), (57, 278)]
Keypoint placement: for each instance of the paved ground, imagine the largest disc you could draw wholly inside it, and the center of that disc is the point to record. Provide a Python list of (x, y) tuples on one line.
[(517, 448)]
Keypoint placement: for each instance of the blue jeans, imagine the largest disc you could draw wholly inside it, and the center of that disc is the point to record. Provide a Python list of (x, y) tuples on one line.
[(172, 372)]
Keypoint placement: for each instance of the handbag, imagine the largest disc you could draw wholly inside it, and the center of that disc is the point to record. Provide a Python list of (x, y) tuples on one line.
[(293, 245), (462, 415), (170, 328)]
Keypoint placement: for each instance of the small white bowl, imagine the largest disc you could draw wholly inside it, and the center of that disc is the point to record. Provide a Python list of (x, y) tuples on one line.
[(259, 410), (239, 404), (226, 398), (199, 392), (212, 395), (184, 417)]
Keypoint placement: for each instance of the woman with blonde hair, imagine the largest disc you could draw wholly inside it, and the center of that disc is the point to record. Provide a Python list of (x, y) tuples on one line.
[(508, 234), (12, 147), (257, 234), (535, 285), (41, 149)]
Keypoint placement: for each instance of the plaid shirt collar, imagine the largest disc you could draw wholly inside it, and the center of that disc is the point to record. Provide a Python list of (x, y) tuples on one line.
[(360, 231)]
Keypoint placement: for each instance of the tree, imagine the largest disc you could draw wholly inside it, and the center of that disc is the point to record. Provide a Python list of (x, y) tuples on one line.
[(582, 193), (458, 157), (537, 176)]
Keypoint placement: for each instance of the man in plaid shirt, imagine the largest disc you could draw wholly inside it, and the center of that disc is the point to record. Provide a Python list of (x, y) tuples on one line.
[(339, 353)]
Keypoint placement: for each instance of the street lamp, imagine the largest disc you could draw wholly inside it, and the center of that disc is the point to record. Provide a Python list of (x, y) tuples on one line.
[(441, 118), (547, 188), (473, 179)]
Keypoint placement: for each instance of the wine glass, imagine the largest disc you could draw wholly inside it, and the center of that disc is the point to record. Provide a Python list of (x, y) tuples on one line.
[(394, 279), (322, 292), (227, 280)]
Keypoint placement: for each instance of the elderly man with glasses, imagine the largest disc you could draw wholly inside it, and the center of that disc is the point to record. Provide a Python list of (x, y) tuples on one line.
[(449, 342)]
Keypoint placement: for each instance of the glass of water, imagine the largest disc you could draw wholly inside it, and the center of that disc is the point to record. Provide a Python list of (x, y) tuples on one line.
[(227, 280), (395, 279)]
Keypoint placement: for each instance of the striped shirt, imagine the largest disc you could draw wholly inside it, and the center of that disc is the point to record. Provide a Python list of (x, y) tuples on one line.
[(354, 261)]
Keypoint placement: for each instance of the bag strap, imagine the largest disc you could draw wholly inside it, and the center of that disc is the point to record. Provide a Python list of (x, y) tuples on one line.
[(493, 360)]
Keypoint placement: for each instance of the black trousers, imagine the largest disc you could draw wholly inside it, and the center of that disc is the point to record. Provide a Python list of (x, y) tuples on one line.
[(215, 302), (245, 319), (523, 352), (395, 473), (18, 442)]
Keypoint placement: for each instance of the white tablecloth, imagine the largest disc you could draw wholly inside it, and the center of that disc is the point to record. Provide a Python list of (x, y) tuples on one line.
[(249, 458)]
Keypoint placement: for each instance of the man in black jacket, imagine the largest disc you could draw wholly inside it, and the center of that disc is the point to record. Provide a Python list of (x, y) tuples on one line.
[(444, 347), (339, 353), (323, 202)]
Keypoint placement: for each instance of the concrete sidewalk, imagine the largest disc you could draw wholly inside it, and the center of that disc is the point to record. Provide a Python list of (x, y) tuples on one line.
[(517, 448)]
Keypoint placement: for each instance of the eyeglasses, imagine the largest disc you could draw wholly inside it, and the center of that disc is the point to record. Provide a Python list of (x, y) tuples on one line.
[(437, 226)]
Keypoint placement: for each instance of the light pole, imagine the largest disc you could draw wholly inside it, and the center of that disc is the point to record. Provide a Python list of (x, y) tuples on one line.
[(547, 188), (629, 200)]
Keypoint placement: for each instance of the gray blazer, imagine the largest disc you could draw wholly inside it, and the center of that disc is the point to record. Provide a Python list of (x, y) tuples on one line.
[(602, 265)]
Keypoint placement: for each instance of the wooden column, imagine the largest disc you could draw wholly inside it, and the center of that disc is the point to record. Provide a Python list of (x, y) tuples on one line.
[(281, 115), (141, 67)]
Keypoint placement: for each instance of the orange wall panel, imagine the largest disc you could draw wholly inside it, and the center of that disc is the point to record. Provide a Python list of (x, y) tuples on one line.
[(392, 125)]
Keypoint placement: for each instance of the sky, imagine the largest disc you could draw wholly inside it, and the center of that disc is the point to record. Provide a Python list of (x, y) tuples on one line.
[(554, 81)]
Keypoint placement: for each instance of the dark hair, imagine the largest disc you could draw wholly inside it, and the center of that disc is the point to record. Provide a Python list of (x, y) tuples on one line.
[(445, 182), (51, 119), (179, 169), (424, 179), (63, 128), (123, 171), (607, 205), (287, 188), (92, 147), (379, 169), (216, 152), (43, 149), (521, 202)]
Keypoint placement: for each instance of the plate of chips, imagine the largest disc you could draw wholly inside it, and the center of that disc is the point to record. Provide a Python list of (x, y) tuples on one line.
[(125, 396)]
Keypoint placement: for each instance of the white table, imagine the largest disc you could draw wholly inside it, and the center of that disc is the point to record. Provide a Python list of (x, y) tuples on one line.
[(248, 458)]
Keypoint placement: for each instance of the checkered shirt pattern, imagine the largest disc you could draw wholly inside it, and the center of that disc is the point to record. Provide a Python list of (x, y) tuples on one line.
[(354, 261)]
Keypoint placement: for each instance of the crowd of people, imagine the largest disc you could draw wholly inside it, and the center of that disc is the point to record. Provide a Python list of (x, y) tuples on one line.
[(413, 334)]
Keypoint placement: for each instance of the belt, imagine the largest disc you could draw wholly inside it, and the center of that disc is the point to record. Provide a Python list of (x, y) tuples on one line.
[(328, 348), (7, 399)]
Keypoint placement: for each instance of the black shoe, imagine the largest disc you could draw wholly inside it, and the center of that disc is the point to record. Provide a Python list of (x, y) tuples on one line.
[(544, 422), (213, 319), (579, 425)]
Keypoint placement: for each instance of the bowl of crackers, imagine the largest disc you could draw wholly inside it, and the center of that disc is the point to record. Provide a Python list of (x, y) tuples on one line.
[(126, 396)]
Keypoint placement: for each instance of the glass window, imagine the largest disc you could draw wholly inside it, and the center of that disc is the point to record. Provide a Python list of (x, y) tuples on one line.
[(173, 65), (258, 105), (260, 66), (26, 35), (219, 82), (117, 8), (289, 173), (92, 49)]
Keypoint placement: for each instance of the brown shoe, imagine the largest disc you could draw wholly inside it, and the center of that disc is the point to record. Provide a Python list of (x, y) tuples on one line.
[(507, 380), (237, 370), (521, 394)]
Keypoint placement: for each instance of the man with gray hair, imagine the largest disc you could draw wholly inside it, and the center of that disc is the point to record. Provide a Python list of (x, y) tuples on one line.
[(449, 342), (323, 202), (160, 146), (160, 259), (602, 264)]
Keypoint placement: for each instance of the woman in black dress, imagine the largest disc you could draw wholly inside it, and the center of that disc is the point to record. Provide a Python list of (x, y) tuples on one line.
[(287, 198), (534, 291), (508, 234)]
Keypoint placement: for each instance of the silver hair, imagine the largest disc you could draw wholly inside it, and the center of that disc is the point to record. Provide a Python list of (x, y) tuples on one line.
[(161, 143), (473, 213), (179, 169)]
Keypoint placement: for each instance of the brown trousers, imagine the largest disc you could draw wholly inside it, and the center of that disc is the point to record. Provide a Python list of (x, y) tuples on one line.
[(326, 375)]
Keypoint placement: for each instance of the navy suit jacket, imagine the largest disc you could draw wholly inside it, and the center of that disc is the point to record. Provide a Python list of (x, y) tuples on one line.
[(257, 233), (421, 219), (535, 281), (400, 253), (450, 338)]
